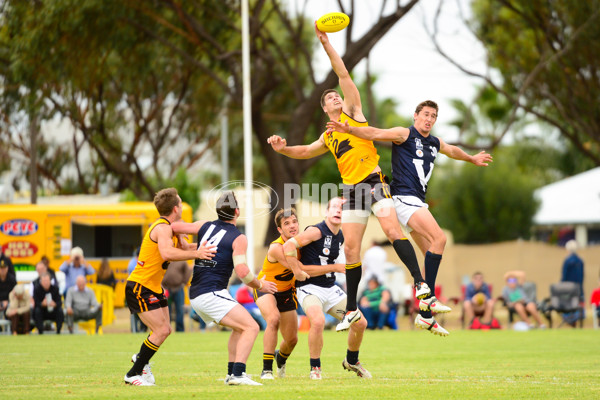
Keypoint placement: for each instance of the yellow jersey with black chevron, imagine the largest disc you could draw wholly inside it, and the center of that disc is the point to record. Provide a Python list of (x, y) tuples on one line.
[(356, 158), (275, 272), (151, 267)]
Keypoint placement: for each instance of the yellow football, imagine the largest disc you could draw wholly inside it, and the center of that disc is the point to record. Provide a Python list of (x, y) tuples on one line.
[(333, 22)]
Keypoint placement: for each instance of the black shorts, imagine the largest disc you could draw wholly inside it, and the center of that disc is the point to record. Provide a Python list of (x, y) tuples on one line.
[(286, 301), (363, 195), (140, 299)]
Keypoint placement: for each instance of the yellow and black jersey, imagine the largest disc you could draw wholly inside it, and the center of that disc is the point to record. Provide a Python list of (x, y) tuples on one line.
[(277, 273), (356, 158), (151, 267)]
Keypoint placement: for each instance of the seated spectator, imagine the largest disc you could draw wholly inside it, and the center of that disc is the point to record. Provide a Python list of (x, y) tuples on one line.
[(82, 305), (19, 310), (105, 275), (375, 304), (47, 304), (595, 301), (478, 301), (516, 299), (7, 283), (74, 267), (246, 299)]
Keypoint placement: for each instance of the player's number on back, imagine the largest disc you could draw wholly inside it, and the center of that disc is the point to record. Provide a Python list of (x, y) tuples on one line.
[(212, 240)]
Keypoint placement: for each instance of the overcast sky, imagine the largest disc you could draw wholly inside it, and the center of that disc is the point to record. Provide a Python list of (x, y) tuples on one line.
[(408, 67)]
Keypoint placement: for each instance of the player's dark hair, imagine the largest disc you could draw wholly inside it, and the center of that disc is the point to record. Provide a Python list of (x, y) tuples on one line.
[(325, 93), (165, 200), (284, 213), (427, 103), (226, 206)]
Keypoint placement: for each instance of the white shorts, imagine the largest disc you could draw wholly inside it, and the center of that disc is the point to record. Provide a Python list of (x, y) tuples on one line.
[(405, 207), (213, 306), (329, 297)]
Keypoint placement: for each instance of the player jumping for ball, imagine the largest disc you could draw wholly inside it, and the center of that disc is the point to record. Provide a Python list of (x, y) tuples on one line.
[(365, 186), (414, 151)]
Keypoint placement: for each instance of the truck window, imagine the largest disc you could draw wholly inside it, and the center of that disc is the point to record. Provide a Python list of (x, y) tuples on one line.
[(106, 240)]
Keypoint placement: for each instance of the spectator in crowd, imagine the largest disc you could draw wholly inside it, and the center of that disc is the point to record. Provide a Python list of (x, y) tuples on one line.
[(518, 300), (5, 260), (246, 299), (375, 304), (81, 304), (42, 268), (175, 281), (19, 310), (595, 301), (478, 300), (133, 261), (7, 283), (46, 262), (572, 270), (105, 275), (374, 262), (47, 304), (76, 266)]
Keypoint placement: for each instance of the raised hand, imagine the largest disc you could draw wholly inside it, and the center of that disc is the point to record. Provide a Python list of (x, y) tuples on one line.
[(338, 127), (482, 159), (277, 143)]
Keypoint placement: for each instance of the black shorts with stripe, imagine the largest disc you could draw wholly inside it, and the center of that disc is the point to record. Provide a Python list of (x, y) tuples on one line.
[(141, 299), (363, 195), (286, 301)]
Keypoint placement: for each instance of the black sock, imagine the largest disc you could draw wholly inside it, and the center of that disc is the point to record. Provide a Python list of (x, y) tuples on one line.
[(281, 358), (238, 369), (406, 252), (352, 357), (146, 352), (315, 362), (432, 265), (353, 275), (268, 361), (230, 368)]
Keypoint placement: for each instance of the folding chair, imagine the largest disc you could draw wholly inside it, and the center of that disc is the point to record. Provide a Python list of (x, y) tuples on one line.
[(564, 298)]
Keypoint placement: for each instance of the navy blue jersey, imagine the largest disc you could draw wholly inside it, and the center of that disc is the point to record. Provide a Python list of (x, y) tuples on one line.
[(412, 164), (213, 275), (322, 252)]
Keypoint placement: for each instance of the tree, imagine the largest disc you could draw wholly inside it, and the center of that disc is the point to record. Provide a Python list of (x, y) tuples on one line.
[(123, 94), (283, 79), (485, 205), (546, 53)]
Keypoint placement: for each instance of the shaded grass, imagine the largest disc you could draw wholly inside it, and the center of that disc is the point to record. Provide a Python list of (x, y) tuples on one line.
[(548, 364)]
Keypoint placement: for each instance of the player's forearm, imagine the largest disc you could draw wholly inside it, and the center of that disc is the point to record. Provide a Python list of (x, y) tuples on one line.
[(337, 64), (456, 153), (297, 152), (317, 270)]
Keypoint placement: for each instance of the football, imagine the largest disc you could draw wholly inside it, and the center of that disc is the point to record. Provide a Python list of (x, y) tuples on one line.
[(333, 22)]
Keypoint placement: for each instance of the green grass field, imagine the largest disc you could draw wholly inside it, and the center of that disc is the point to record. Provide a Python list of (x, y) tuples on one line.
[(551, 364)]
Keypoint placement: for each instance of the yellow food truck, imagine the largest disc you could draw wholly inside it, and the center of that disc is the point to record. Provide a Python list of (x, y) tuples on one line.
[(112, 231)]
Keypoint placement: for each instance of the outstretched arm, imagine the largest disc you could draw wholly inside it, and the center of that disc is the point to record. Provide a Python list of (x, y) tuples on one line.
[(480, 159), (314, 149), (352, 103), (396, 135)]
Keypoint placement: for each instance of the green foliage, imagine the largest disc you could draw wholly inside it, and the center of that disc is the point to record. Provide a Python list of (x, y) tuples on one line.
[(485, 205), (548, 52), (473, 365), (188, 190)]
